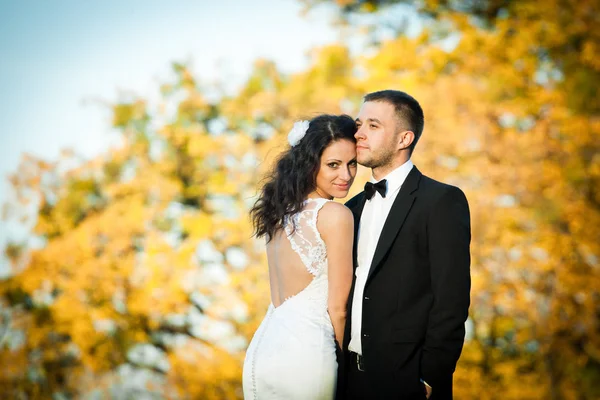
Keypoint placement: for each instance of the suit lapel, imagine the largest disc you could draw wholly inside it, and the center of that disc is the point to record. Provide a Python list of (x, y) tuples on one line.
[(357, 212), (395, 219)]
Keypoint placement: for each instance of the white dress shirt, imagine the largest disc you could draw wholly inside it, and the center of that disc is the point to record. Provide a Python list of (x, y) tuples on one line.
[(371, 223)]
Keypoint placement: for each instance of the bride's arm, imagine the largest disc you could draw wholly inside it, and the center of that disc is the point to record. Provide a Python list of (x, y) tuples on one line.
[(336, 225)]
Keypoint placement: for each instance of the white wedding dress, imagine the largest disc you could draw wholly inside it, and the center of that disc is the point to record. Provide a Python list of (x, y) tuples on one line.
[(292, 354)]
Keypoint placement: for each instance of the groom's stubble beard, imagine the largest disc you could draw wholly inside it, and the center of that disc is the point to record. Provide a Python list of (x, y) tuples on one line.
[(383, 159)]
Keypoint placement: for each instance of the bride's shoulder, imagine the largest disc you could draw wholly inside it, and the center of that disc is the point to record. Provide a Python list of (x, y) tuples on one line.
[(335, 209), (334, 216)]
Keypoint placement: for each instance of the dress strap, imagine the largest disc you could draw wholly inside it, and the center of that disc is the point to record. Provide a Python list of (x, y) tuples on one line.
[(320, 203), (305, 238)]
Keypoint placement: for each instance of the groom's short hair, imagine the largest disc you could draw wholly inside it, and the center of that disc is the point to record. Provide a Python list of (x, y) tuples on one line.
[(408, 110)]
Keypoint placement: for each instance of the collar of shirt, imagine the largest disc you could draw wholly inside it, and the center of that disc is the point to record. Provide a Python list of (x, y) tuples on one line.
[(396, 178)]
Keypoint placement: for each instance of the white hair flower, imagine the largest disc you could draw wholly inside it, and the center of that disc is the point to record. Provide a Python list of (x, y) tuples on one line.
[(297, 133)]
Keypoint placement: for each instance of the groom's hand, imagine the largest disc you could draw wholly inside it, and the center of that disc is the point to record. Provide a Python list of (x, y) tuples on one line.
[(427, 389)]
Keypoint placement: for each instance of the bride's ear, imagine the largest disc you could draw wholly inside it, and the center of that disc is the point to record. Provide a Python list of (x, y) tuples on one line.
[(405, 139)]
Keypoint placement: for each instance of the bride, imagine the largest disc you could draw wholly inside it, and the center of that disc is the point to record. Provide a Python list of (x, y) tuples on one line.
[(309, 251)]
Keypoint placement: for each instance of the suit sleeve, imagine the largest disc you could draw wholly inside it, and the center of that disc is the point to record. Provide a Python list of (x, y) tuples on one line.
[(449, 237)]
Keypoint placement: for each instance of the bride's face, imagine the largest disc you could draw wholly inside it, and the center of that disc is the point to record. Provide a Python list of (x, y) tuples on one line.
[(337, 169)]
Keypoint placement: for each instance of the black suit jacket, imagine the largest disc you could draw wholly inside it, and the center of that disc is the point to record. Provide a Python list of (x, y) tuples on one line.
[(416, 297)]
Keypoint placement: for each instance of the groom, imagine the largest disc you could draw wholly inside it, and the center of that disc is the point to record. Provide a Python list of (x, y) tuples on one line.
[(410, 295)]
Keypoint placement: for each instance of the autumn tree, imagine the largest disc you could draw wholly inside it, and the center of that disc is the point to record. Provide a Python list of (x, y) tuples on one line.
[(510, 91), (141, 279)]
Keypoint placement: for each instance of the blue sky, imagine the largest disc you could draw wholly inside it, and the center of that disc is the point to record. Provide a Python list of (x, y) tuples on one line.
[(61, 59)]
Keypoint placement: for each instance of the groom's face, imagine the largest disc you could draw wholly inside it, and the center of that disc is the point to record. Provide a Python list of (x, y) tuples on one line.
[(376, 137)]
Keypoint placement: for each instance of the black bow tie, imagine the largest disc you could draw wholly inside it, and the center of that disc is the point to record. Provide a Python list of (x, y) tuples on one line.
[(380, 186)]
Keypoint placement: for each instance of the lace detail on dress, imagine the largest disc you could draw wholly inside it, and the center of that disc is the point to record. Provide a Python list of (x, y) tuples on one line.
[(292, 354), (305, 239)]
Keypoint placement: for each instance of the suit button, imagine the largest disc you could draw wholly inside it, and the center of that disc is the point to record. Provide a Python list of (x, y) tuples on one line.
[(366, 335), (366, 298)]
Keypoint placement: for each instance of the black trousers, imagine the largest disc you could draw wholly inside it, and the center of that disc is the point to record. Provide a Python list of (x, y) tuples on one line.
[(357, 387)]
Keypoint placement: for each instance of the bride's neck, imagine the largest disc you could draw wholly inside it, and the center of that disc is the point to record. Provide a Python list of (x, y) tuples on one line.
[(318, 194)]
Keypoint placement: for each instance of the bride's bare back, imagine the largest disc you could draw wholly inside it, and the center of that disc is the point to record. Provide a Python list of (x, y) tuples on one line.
[(296, 254)]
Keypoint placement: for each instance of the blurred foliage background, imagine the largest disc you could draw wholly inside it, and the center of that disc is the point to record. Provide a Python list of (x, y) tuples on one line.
[(142, 280)]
